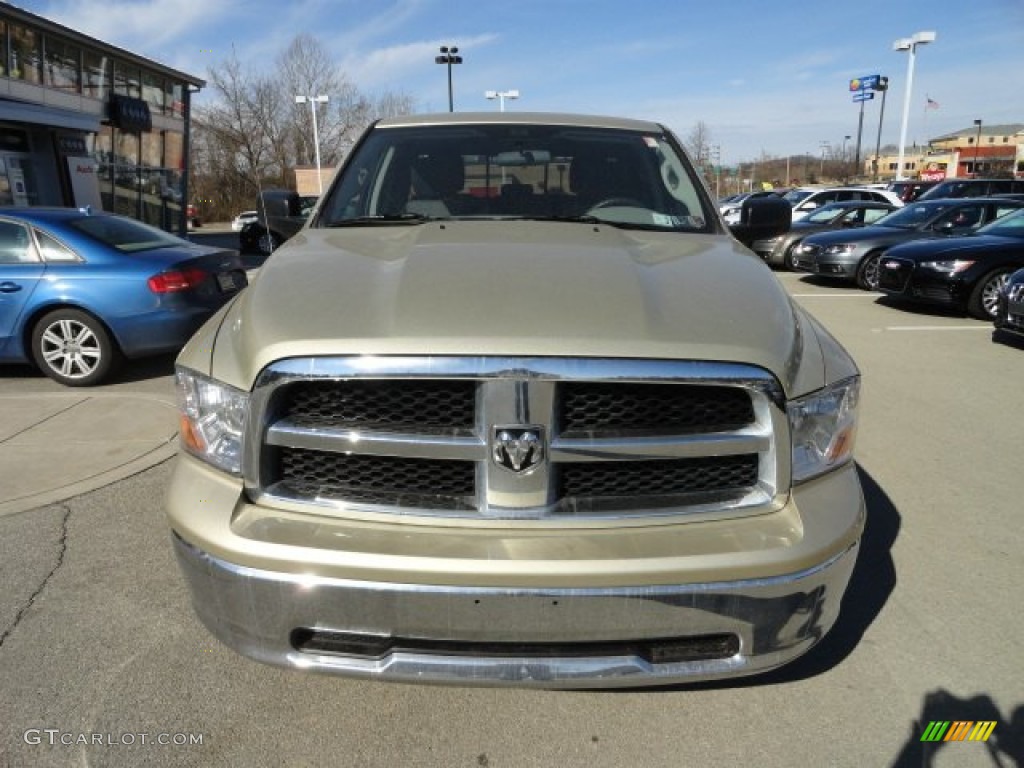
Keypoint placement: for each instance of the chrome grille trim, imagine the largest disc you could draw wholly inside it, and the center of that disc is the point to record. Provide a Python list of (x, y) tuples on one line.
[(523, 391), (1015, 292)]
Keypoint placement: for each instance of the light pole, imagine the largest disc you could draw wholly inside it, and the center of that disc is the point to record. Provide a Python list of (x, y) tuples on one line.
[(909, 44), (977, 143), (825, 146), (846, 171), (883, 86), (501, 96), (313, 101), (448, 56)]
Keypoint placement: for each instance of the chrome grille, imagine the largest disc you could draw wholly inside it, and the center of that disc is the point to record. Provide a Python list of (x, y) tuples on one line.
[(417, 436), (1015, 292)]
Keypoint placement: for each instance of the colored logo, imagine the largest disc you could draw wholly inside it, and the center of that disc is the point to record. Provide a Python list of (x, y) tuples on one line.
[(958, 730)]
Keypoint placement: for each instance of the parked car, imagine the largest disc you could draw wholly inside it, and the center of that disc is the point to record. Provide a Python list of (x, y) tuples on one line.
[(79, 291), (910, 190), (1010, 306), (854, 254), (968, 273), (780, 250), (807, 199), (281, 213), (566, 431), (245, 217), (973, 188), (192, 216), (732, 207)]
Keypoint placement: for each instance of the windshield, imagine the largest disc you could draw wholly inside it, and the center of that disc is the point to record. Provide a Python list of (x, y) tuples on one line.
[(795, 196), (1010, 225), (912, 216), (517, 171), (126, 235), (826, 213)]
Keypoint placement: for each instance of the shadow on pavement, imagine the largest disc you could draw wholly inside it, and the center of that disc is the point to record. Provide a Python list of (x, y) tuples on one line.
[(1007, 740)]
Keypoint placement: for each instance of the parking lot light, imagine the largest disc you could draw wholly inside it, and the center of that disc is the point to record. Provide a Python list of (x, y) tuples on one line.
[(313, 101), (448, 56), (909, 44)]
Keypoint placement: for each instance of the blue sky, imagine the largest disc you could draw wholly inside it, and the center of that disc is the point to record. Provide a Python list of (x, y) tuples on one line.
[(764, 77)]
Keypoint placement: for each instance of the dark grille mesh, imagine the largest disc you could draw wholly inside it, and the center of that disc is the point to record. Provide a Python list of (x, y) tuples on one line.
[(408, 405), (666, 477), (667, 408), (377, 479)]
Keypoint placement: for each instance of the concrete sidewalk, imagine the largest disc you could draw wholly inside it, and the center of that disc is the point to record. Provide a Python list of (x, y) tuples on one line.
[(54, 446)]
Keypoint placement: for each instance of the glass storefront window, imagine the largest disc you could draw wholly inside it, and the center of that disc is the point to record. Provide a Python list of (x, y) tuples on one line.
[(174, 101), (26, 55), (63, 62), (153, 92), (126, 174), (97, 75), (127, 79)]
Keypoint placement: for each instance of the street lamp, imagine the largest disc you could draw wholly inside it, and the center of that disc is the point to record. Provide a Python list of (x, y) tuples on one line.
[(448, 56), (501, 96), (977, 143), (909, 44), (313, 101)]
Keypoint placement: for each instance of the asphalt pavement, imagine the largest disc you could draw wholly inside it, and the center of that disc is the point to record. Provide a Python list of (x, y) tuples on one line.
[(57, 443), (103, 662)]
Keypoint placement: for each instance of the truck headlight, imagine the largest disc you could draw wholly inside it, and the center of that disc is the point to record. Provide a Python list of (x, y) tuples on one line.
[(212, 419), (823, 427)]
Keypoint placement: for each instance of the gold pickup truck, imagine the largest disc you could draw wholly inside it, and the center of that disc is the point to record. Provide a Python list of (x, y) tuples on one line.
[(516, 408)]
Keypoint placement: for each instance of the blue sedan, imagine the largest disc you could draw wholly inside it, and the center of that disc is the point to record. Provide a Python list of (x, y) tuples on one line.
[(81, 291)]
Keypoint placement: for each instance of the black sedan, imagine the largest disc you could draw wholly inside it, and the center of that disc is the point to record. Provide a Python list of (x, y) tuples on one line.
[(967, 273), (779, 251), (855, 254), (1010, 307)]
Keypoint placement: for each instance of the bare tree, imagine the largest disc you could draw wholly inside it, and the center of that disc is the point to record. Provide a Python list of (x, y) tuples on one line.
[(254, 133)]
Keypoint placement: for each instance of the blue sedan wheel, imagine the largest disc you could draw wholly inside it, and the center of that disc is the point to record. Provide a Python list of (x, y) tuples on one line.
[(73, 347)]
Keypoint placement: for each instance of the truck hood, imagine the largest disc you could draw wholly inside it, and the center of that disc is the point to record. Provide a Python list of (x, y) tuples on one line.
[(516, 288)]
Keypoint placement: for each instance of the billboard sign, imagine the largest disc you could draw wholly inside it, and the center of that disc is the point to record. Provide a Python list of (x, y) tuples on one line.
[(864, 83), (864, 96)]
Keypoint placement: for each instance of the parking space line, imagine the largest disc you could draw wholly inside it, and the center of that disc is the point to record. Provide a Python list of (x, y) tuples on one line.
[(861, 295), (934, 328)]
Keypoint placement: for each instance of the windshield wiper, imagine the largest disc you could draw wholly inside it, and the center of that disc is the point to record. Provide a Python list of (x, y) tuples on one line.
[(381, 218)]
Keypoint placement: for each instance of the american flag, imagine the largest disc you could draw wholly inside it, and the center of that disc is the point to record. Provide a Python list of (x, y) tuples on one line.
[(930, 103)]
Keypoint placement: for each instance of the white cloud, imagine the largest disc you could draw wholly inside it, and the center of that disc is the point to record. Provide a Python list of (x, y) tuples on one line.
[(385, 66), (137, 25)]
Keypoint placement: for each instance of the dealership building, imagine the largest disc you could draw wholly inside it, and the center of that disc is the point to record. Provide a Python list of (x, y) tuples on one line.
[(85, 123)]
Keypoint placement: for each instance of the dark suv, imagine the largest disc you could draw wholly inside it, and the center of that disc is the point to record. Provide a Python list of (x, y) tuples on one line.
[(974, 188)]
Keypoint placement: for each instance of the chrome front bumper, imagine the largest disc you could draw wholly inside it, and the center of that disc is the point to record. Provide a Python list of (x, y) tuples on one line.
[(555, 638)]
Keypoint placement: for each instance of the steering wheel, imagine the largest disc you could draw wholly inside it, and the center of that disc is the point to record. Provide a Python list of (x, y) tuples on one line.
[(617, 202)]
